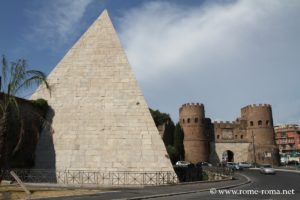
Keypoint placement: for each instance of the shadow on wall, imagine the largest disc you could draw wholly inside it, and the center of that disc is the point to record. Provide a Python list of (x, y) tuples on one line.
[(45, 158), (213, 156)]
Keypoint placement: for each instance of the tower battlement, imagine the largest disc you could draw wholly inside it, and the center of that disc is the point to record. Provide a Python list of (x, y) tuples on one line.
[(256, 106), (191, 106), (226, 124)]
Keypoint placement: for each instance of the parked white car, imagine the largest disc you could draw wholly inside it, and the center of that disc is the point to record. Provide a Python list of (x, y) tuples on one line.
[(183, 163), (203, 164), (233, 166), (244, 164), (267, 169)]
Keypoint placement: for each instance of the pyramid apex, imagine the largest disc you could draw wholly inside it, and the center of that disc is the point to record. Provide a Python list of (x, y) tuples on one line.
[(104, 14)]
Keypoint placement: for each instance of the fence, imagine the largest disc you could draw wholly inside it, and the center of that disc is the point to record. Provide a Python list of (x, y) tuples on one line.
[(82, 177), (219, 171)]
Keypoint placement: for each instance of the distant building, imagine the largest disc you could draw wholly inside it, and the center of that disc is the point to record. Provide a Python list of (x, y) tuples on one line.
[(250, 137), (288, 140)]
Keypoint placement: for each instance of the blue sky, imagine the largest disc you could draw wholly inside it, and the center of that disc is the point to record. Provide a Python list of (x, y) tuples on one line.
[(225, 54)]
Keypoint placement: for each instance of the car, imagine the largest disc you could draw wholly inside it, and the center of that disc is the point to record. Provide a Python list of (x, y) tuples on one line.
[(203, 164), (234, 166), (245, 165), (267, 169), (183, 163)]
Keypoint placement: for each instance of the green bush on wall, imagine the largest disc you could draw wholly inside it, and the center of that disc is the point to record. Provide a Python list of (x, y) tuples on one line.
[(42, 105)]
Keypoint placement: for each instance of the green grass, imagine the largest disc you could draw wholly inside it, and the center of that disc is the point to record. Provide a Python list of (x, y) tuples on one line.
[(204, 176)]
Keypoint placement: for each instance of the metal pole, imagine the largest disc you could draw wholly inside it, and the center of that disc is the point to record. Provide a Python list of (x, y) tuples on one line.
[(253, 146)]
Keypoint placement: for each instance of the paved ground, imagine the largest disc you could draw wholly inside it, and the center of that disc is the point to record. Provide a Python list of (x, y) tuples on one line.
[(282, 180)]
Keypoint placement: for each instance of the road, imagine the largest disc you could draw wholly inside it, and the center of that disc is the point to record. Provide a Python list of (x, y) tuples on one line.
[(260, 183)]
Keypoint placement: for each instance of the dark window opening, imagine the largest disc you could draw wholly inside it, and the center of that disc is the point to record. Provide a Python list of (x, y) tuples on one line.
[(259, 123), (196, 120), (188, 120), (267, 122), (251, 123)]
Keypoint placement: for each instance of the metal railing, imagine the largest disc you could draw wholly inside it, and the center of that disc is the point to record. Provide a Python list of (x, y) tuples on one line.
[(222, 171), (83, 177)]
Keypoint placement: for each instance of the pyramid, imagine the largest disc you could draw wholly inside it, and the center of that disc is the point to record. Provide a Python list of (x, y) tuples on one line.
[(100, 119)]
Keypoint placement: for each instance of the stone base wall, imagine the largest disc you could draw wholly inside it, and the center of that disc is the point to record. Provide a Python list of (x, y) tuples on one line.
[(243, 152), (240, 150)]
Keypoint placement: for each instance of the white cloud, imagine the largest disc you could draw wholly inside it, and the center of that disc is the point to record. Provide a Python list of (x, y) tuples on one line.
[(56, 21), (224, 55)]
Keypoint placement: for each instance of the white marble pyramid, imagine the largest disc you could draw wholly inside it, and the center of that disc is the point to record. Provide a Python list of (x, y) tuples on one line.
[(100, 118)]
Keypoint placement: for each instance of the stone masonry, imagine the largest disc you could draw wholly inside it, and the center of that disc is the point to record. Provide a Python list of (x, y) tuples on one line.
[(100, 119)]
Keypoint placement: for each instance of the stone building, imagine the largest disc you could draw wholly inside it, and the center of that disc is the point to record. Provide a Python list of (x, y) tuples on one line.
[(250, 134)]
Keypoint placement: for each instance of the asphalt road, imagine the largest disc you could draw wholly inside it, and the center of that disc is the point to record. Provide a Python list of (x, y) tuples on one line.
[(261, 183), (261, 187)]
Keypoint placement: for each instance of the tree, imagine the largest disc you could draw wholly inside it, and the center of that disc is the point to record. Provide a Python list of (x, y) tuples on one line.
[(172, 153), (159, 117), (178, 142), (14, 78)]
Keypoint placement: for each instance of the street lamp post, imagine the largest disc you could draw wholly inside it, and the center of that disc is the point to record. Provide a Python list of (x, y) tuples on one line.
[(253, 147)]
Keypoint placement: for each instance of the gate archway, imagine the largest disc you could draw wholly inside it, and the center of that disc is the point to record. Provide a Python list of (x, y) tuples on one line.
[(228, 156)]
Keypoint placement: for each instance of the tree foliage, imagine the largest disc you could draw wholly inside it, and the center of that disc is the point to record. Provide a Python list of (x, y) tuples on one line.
[(159, 117), (173, 136), (178, 142), (14, 78)]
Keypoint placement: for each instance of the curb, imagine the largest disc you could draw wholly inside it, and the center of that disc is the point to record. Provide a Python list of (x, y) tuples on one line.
[(193, 182), (190, 192)]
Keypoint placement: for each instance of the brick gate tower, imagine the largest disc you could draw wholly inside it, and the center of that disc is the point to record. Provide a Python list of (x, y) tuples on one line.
[(260, 132), (196, 143)]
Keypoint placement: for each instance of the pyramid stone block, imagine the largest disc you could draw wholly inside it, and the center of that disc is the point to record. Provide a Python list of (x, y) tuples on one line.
[(100, 119)]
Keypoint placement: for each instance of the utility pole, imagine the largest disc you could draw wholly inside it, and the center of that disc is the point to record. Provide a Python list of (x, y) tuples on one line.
[(253, 147)]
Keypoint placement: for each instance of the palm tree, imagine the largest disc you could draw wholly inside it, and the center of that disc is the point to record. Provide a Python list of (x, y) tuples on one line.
[(14, 78)]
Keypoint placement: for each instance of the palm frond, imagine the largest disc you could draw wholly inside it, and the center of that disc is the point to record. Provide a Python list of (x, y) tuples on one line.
[(20, 138), (13, 101), (42, 76), (33, 80), (4, 71), (2, 107), (19, 75)]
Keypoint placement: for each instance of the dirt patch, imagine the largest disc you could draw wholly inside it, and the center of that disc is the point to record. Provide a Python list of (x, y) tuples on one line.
[(16, 192)]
